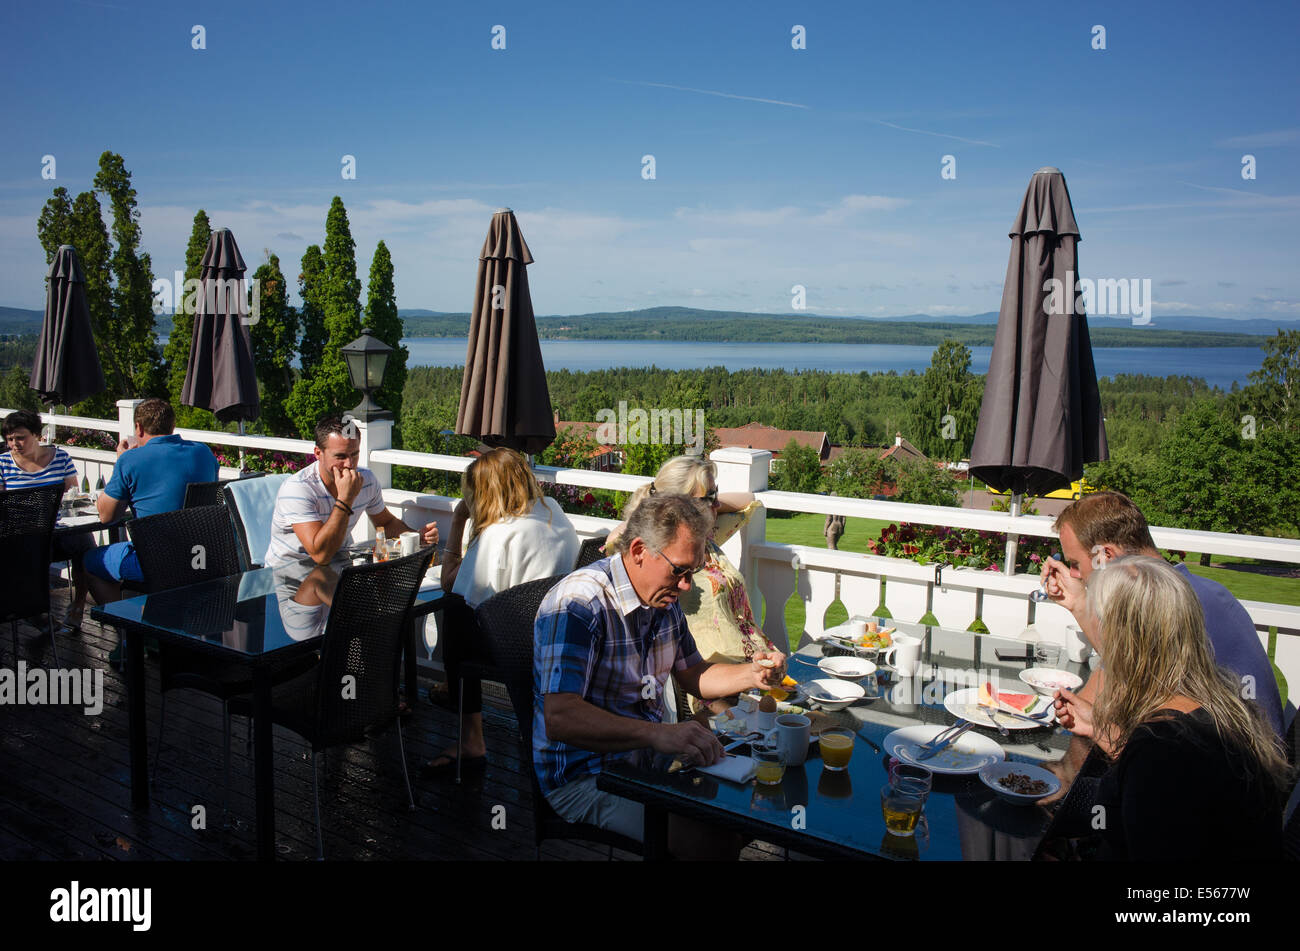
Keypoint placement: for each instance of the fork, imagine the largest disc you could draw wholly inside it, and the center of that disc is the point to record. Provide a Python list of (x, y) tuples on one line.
[(991, 712), (944, 739)]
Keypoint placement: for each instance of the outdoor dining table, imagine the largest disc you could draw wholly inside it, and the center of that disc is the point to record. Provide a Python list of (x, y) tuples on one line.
[(829, 814), (249, 619)]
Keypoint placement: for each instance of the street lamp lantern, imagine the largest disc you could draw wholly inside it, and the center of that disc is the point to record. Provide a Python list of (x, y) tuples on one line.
[(367, 358)]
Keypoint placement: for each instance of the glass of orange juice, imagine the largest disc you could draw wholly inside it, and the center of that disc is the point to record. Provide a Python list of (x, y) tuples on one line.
[(837, 748), (769, 764)]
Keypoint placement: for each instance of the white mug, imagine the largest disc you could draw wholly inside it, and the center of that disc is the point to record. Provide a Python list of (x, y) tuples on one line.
[(905, 654), (1077, 647), (792, 736), (410, 543)]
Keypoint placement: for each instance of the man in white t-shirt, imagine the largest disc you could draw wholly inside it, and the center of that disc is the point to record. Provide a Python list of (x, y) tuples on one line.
[(317, 507)]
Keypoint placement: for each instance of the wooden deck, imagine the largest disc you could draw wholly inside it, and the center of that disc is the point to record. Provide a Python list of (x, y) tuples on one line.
[(66, 789)]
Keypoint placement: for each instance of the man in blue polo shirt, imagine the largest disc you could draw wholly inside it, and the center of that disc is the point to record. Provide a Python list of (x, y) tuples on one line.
[(151, 478)]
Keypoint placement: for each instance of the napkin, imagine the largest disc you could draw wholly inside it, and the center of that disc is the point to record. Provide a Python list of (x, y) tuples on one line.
[(734, 769)]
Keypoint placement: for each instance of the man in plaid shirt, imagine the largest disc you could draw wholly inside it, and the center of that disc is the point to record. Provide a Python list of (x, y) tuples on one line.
[(606, 639)]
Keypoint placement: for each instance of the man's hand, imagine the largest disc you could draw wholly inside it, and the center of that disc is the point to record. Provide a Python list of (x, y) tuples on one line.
[(1073, 713), (1062, 587), (430, 534), (348, 484), (692, 742), (768, 669), (123, 445)]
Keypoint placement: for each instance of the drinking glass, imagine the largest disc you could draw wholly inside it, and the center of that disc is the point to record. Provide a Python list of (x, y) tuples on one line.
[(1047, 654), (909, 776), (837, 748), (770, 764), (901, 808)]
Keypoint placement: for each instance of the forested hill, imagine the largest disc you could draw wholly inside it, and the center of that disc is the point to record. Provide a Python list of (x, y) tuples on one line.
[(682, 323)]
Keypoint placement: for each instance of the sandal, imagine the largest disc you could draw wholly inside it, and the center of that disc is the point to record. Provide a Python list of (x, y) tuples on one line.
[(447, 769)]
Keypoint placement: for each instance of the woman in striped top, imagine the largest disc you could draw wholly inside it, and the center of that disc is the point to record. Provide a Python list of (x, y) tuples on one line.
[(28, 464)]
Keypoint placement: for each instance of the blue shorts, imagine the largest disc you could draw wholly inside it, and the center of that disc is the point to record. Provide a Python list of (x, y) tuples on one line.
[(116, 562)]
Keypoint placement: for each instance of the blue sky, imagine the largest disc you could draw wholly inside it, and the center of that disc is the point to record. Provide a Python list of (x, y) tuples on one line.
[(773, 166)]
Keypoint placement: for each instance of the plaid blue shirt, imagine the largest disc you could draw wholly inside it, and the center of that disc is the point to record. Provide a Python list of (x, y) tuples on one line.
[(593, 637)]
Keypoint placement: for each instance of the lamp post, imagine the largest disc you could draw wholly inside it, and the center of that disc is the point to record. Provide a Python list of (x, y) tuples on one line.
[(367, 358)]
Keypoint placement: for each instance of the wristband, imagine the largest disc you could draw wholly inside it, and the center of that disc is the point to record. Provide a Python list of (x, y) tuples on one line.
[(347, 508)]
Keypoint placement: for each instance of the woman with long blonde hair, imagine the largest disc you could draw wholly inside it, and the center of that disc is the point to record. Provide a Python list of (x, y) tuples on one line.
[(504, 532), (717, 607), (1196, 772)]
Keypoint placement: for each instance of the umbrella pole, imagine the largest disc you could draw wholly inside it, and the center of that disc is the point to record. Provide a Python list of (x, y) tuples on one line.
[(241, 449), (1009, 565)]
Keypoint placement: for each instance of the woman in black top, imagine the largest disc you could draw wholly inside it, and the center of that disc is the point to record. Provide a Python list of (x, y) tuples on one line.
[(1196, 772)]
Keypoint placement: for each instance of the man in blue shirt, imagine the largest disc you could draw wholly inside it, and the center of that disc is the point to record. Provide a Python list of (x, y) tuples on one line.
[(150, 478), (1104, 526)]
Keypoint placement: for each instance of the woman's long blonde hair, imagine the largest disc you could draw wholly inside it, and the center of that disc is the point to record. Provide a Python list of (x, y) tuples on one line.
[(680, 475), (496, 486), (1155, 648)]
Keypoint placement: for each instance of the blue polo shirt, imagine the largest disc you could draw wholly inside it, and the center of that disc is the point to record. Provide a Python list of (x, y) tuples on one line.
[(152, 477), (1236, 645)]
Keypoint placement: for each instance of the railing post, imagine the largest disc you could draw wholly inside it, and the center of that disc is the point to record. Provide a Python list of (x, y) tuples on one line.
[(745, 470), (126, 418), (376, 435)]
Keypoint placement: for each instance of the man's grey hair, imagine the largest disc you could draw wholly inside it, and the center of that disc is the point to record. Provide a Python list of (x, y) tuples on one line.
[(657, 520)]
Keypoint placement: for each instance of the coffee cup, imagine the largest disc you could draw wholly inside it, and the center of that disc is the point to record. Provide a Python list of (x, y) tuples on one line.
[(410, 543), (904, 655), (792, 736)]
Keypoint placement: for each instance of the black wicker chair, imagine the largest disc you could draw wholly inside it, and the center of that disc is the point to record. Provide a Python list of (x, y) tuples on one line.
[(592, 550), (165, 546), (361, 648), (27, 518), (506, 622), (204, 493)]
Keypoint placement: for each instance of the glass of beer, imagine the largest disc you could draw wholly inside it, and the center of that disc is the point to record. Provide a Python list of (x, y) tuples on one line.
[(901, 806), (837, 748), (769, 764)]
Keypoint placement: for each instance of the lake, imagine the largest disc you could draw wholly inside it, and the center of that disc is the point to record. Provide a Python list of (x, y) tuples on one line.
[(1218, 366)]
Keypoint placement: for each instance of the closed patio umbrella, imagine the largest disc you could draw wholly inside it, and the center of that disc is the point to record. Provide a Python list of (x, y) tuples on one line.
[(220, 376), (504, 400), (66, 369), (1040, 420)]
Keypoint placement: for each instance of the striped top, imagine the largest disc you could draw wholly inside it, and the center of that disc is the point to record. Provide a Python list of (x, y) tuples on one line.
[(15, 477)]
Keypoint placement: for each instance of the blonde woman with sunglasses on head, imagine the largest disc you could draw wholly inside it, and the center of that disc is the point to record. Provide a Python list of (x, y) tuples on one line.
[(1196, 772), (717, 607)]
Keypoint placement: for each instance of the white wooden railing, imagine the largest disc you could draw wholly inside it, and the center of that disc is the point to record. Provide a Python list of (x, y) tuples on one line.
[(954, 596)]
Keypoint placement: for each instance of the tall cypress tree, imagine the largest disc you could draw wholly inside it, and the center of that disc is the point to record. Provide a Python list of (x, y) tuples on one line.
[(275, 337), (313, 319), (176, 355), (325, 387), (55, 223), (133, 322), (382, 319)]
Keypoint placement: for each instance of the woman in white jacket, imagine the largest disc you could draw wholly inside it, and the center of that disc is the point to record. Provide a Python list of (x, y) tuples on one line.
[(503, 532)]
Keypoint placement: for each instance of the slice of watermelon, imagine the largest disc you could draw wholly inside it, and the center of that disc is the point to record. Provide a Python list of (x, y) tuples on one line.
[(1024, 702)]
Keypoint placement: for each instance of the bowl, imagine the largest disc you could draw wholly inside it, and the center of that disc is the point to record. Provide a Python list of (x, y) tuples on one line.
[(847, 668), (992, 774), (1048, 680), (833, 694)]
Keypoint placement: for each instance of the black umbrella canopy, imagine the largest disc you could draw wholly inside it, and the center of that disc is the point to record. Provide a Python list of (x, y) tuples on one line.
[(1040, 420), (220, 376), (504, 400), (66, 369)]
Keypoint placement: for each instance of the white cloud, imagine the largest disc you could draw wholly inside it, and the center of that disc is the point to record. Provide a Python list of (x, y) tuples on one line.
[(1260, 140)]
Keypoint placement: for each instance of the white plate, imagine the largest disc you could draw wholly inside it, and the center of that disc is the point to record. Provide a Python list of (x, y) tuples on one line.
[(841, 693), (847, 668), (1047, 680), (971, 753), (990, 775), (966, 705)]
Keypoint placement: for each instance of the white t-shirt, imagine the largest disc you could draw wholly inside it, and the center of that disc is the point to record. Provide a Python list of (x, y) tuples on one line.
[(537, 545), (304, 498)]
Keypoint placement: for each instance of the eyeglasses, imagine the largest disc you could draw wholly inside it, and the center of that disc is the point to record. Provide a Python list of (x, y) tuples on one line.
[(678, 571), (710, 497)]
